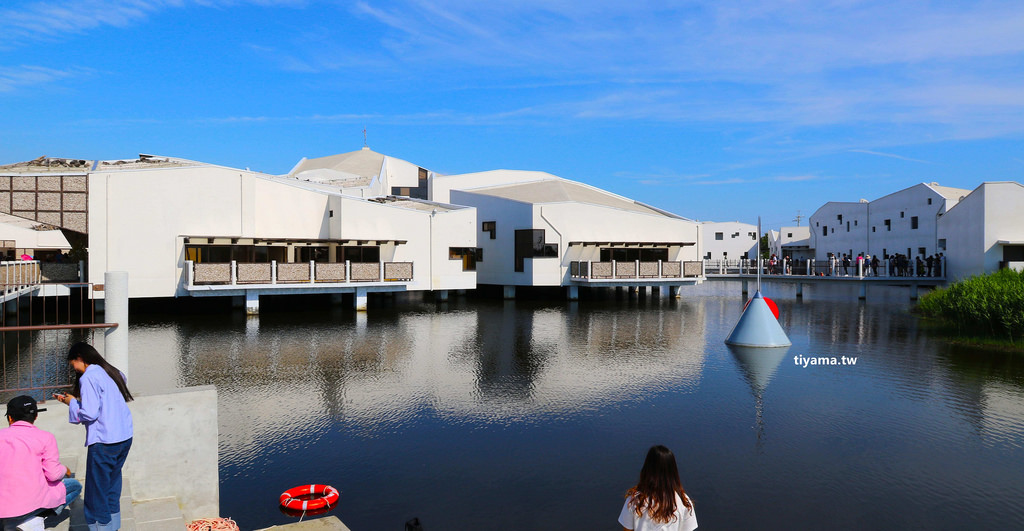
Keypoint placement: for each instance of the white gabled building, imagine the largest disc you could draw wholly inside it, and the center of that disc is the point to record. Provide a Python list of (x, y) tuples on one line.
[(536, 229), (185, 228), (984, 231), (20, 236), (791, 242), (903, 222), (729, 240)]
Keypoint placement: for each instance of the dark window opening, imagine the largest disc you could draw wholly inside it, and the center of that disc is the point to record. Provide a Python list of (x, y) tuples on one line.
[(530, 244), (913, 222), (719, 235), (314, 254), (1011, 253), (888, 224), (824, 231), (633, 254), (491, 227), (243, 254), (840, 218), (361, 254), (929, 200), (921, 251), (469, 256), (419, 192)]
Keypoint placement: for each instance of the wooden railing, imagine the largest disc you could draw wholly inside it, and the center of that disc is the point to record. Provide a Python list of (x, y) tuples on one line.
[(302, 273)]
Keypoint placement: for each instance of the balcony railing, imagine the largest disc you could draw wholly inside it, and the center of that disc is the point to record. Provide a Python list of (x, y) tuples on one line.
[(635, 270), (888, 268), (295, 273), (17, 276)]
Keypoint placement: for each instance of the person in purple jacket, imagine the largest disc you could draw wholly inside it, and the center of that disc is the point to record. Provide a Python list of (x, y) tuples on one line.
[(99, 400)]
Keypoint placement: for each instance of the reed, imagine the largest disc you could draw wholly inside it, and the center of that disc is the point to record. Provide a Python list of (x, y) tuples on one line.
[(988, 305)]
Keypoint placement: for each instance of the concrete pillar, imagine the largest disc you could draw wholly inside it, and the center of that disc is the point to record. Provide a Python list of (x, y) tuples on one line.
[(252, 303), (441, 295), (745, 290), (572, 293), (656, 291), (863, 291), (360, 300), (673, 292), (336, 298), (238, 302), (509, 292), (913, 291), (115, 340), (800, 289)]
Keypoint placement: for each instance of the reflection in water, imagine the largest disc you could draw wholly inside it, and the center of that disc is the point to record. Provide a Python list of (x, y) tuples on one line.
[(523, 414), (758, 365)]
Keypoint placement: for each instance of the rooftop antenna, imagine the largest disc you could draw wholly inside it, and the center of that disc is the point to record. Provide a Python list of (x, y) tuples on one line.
[(798, 218)]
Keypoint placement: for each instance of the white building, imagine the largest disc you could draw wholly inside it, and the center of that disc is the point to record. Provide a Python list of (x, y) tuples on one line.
[(536, 229), (20, 236), (729, 240), (791, 242), (903, 222), (984, 231), (184, 228)]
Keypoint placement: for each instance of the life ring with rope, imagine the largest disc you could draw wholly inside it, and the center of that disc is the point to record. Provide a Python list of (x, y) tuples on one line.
[(310, 497)]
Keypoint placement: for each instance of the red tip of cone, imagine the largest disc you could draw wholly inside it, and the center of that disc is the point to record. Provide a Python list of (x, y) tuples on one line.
[(774, 307)]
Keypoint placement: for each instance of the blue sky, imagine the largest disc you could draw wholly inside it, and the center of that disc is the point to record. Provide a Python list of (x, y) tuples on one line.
[(713, 110)]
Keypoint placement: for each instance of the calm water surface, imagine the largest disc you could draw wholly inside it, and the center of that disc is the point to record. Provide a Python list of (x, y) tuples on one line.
[(486, 414)]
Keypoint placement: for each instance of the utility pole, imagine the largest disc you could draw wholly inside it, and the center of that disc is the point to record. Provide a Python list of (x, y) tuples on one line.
[(798, 218)]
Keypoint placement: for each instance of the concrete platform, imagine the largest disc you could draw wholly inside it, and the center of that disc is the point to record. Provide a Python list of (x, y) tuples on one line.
[(327, 523)]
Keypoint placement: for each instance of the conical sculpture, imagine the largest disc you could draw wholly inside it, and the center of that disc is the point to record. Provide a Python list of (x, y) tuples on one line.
[(758, 327)]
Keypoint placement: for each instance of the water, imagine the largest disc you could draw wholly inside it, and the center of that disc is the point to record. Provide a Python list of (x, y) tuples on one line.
[(484, 414)]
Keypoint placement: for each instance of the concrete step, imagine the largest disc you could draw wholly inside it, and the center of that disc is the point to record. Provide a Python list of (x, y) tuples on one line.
[(161, 514), (327, 523)]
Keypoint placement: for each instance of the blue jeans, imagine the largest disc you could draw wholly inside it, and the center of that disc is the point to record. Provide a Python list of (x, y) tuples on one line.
[(103, 481), (74, 488)]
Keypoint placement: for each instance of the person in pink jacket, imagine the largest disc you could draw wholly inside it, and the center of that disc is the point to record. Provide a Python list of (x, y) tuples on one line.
[(32, 480)]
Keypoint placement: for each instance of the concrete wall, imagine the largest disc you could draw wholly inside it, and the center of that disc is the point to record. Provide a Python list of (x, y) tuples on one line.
[(990, 213), (174, 450), (498, 265), (900, 208)]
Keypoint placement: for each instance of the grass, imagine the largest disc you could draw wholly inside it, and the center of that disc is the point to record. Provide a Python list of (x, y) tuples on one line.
[(984, 308)]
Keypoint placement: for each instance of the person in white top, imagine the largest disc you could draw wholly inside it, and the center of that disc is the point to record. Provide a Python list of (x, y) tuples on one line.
[(658, 501)]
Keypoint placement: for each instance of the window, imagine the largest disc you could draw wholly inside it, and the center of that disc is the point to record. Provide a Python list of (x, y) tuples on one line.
[(753, 235), (901, 214), (361, 254), (872, 229), (469, 256), (840, 218), (888, 224), (789, 234), (824, 231), (530, 244), (719, 235), (921, 251), (929, 200), (620, 254), (847, 226), (942, 244), (313, 254), (491, 227), (833, 230), (708, 256), (330, 213), (913, 222), (854, 223), (419, 192)]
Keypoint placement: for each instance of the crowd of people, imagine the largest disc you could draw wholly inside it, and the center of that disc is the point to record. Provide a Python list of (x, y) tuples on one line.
[(845, 265)]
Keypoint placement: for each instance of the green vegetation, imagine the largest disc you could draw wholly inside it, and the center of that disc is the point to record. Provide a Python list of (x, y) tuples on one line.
[(988, 306)]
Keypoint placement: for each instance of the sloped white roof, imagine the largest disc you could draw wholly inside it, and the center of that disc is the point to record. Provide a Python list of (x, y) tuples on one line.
[(355, 168), (559, 190)]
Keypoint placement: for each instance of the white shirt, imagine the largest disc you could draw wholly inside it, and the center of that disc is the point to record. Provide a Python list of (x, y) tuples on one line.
[(683, 520)]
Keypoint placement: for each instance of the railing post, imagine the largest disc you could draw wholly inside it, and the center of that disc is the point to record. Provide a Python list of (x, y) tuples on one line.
[(273, 271), (190, 273), (636, 270), (115, 341), (348, 271), (660, 275), (81, 271), (234, 273), (380, 271), (312, 272)]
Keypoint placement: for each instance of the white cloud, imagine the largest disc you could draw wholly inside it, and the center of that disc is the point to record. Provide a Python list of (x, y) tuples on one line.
[(12, 78)]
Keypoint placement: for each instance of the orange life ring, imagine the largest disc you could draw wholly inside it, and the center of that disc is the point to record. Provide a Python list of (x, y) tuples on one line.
[(310, 497)]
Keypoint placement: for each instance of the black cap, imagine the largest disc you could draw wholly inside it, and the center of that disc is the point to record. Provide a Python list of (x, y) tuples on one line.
[(23, 405)]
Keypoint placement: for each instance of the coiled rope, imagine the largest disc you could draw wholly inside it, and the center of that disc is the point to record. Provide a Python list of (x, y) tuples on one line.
[(212, 524)]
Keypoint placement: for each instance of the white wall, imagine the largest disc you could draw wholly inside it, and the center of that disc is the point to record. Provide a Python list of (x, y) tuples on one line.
[(838, 239), (990, 213), (901, 207), (498, 265), (736, 241)]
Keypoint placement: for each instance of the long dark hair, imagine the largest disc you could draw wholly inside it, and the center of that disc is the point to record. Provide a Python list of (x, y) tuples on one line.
[(658, 485), (88, 354)]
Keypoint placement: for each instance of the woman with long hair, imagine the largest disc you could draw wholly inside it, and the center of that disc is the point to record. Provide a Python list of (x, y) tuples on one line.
[(98, 400), (658, 501)]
